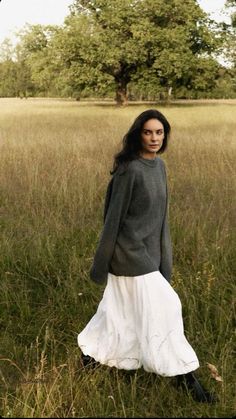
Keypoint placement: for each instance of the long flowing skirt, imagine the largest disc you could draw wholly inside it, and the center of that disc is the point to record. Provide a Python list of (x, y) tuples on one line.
[(138, 323)]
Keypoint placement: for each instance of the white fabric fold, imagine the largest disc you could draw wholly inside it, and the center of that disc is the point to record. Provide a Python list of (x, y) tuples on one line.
[(138, 323)]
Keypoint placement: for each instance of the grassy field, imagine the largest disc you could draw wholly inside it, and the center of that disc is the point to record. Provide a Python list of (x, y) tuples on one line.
[(55, 158)]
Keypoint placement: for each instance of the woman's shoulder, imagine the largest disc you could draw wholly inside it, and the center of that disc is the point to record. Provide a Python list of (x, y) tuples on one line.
[(162, 163), (135, 167), (128, 168)]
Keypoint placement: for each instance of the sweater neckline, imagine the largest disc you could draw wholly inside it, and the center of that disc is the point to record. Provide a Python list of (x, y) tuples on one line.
[(149, 162)]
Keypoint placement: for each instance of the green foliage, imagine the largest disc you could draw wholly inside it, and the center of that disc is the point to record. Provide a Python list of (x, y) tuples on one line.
[(8, 70), (129, 40), (231, 4), (8, 75), (229, 35), (6, 51), (225, 85), (135, 49), (35, 52)]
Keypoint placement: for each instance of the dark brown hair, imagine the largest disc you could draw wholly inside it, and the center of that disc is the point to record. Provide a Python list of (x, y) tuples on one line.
[(132, 140)]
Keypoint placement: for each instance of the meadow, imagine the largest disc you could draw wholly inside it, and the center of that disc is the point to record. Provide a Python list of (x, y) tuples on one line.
[(55, 158)]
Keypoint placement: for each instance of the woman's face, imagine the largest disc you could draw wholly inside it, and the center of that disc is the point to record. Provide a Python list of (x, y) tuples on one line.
[(152, 136)]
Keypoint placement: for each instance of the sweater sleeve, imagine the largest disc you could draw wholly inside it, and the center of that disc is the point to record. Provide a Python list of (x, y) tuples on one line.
[(120, 192), (166, 245)]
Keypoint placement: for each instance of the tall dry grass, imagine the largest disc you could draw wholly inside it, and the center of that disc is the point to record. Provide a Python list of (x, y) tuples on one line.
[(55, 161)]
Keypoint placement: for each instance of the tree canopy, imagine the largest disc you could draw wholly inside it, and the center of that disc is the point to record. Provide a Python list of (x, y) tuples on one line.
[(133, 39), (126, 48)]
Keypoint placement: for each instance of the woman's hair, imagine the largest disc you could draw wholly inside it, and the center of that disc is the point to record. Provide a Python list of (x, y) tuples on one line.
[(132, 140)]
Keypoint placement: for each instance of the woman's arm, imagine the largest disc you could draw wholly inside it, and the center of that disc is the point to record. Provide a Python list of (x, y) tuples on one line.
[(166, 245), (119, 200)]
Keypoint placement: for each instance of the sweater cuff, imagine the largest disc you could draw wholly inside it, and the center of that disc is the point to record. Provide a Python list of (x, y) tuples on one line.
[(100, 278)]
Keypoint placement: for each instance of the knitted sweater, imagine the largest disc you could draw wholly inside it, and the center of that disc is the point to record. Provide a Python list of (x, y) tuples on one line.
[(135, 238)]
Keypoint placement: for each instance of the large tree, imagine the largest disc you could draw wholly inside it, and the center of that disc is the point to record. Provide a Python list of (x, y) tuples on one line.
[(36, 55), (8, 70), (113, 42)]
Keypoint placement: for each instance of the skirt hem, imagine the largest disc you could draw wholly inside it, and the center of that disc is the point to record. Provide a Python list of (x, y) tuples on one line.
[(138, 323)]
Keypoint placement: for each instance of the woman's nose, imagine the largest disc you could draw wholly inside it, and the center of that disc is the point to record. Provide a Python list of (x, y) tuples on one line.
[(154, 137)]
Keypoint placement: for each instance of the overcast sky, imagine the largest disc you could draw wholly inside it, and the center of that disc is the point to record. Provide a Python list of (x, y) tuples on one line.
[(15, 13)]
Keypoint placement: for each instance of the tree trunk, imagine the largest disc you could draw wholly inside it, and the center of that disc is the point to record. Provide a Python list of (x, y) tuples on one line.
[(121, 92), (169, 91)]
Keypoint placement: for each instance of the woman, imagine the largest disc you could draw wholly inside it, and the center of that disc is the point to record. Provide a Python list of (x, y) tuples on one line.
[(139, 319)]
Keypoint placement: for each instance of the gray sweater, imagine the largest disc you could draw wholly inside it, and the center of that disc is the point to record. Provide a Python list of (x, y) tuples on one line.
[(135, 238)]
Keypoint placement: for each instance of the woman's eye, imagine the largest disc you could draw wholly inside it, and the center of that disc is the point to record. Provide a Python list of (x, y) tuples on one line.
[(159, 132)]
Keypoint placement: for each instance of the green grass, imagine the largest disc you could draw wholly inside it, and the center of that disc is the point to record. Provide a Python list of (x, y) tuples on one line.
[(54, 168)]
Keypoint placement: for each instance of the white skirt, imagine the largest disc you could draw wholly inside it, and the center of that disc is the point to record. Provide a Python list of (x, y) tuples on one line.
[(138, 323)]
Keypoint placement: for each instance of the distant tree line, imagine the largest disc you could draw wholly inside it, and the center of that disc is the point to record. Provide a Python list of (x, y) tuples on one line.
[(127, 50)]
